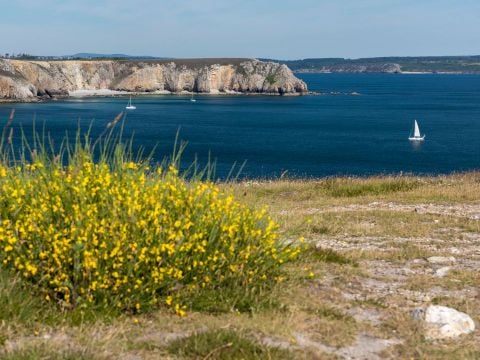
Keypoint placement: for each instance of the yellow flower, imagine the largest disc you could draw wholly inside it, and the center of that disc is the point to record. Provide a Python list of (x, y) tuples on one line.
[(121, 236), (180, 310)]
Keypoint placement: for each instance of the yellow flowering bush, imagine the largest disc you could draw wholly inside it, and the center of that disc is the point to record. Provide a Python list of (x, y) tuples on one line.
[(91, 233)]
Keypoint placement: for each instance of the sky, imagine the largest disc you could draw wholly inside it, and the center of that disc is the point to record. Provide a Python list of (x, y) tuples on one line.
[(277, 29)]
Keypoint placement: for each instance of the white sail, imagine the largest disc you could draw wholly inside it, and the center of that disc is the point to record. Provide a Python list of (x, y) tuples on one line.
[(416, 133), (129, 105), (417, 130)]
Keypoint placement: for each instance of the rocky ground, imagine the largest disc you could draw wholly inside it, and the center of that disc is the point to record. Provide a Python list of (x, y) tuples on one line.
[(397, 253), (381, 255), (401, 274)]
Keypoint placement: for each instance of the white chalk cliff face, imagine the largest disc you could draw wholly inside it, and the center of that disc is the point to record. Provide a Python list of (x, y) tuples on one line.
[(24, 80)]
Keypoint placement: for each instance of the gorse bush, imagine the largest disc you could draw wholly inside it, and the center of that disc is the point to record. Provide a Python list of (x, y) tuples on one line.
[(117, 233)]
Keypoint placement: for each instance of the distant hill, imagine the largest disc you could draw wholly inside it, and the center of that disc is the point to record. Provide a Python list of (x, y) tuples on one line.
[(422, 64), (81, 56), (110, 56)]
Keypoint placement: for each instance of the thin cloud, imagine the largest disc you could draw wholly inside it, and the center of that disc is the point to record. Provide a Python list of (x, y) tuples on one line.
[(276, 29)]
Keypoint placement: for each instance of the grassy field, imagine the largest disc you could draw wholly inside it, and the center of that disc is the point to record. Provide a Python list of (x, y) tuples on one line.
[(348, 296)]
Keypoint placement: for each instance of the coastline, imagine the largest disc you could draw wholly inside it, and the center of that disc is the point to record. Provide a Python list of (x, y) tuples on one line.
[(103, 93), (22, 79)]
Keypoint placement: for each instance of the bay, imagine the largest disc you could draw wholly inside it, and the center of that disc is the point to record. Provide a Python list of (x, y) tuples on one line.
[(306, 136)]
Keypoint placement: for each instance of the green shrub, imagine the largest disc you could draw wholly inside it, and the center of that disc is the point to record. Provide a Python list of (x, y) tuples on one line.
[(271, 79), (117, 233)]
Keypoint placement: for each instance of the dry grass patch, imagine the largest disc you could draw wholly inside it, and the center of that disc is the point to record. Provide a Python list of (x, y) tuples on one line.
[(330, 326), (460, 188), (399, 253), (454, 280)]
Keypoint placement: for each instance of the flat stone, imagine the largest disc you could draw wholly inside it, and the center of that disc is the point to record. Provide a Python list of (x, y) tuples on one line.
[(446, 323), (455, 250), (441, 259), (407, 271), (418, 261), (442, 271)]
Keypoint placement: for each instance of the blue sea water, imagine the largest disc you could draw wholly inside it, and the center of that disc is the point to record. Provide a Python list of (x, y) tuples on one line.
[(308, 136)]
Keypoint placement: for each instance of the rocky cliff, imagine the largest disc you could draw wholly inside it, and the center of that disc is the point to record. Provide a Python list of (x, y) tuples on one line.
[(26, 80)]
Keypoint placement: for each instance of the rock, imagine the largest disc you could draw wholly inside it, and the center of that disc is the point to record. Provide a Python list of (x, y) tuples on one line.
[(418, 261), (445, 323), (455, 250), (441, 259), (442, 271), (407, 271), (21, 79), (130, 357)]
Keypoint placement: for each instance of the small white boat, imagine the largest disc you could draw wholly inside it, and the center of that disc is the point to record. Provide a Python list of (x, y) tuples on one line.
[(416, 134), (129, 105), (192, 99)]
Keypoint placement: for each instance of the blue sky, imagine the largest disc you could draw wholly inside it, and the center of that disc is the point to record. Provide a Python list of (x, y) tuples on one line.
[(284, 29)]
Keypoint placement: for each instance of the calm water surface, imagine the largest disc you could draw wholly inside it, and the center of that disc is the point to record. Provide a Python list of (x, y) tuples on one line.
[(309, 136)]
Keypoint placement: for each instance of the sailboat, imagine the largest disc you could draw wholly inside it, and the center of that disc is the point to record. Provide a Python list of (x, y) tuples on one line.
[(192, 99), (416, 134), (129, 105)]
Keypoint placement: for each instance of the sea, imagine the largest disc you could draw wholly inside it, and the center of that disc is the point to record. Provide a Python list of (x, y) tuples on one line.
[(357, 125)]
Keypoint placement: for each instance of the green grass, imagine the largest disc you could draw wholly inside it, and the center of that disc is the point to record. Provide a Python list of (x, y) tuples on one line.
[(233, 299), (17, 303), (22, 305), (318, 254), (46, 353), (224, 345)]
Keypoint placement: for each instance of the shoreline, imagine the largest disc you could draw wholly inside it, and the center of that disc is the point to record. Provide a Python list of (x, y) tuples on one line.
[(103, 93), (108, 92)]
